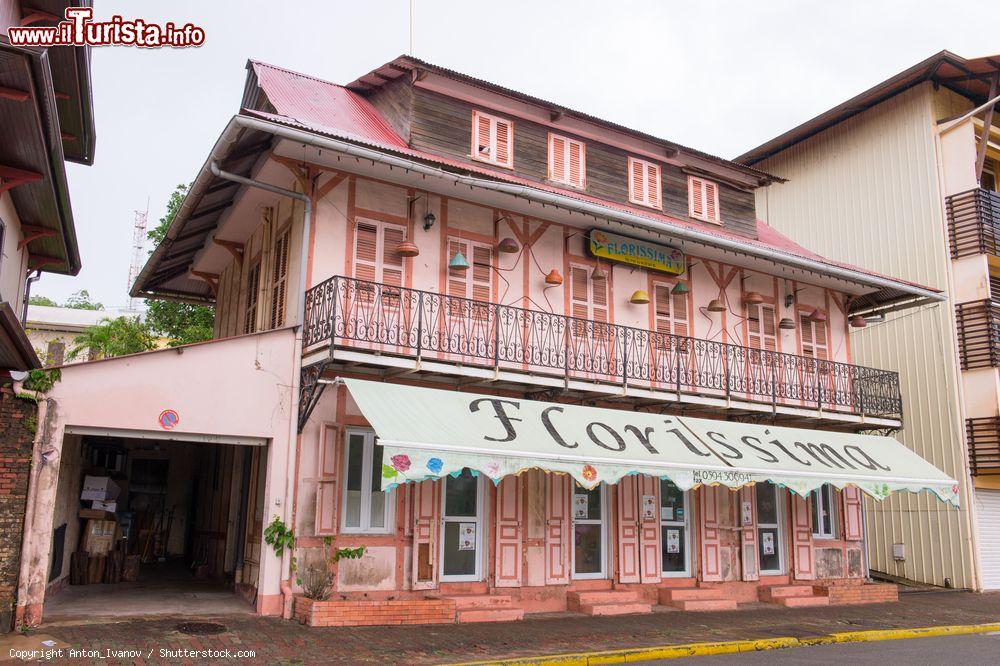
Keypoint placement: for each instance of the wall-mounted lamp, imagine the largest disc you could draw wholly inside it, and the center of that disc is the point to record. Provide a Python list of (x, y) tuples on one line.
[(459, 262), (639, 297), (429, 220), (553, 278)]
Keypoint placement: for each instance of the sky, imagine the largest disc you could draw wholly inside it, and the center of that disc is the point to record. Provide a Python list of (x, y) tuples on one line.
[(722, 76)]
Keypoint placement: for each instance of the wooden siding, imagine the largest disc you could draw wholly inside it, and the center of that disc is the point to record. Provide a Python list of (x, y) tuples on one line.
[(443, 125), (866, 192), (394, 101)]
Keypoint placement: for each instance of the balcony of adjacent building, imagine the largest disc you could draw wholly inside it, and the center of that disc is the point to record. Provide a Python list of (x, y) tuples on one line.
[(377, 329), (983, 438), (978, 325), (974, 222)]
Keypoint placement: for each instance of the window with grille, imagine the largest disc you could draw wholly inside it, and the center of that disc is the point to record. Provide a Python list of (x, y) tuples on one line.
[(567, 161), (644, 183), (492, 139), (761, 327), (279, 280), (253, 294), (703, 199)]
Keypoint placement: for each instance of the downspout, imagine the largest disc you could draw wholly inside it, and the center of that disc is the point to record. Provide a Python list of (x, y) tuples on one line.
[(27, 296), (293, 432)]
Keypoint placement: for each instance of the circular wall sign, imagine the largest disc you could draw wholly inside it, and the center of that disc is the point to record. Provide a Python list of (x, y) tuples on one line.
[(168, 419)]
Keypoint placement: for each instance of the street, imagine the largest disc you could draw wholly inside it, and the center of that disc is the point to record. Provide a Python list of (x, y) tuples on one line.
[(968, 650)]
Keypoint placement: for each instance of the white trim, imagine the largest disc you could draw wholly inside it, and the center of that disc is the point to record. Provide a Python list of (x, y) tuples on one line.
[(480, 530), (780, 495), (603, 522), (364, 517), (826, 495), (686, 524), (167, 435)]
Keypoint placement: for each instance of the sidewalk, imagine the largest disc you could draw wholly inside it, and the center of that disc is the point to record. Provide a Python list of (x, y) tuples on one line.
[(279, 641)]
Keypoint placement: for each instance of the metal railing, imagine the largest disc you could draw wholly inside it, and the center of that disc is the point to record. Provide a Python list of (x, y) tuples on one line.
[(983, 435), (973, 223), (394, 320), (978, 334)]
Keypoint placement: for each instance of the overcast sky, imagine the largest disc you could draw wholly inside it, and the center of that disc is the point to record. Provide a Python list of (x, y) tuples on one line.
[(720, 76)]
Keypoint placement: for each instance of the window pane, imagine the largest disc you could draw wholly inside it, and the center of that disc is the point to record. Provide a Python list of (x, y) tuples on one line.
[(587, 541), (591, 507), (767, 504), (827, 510), (355, 478), (671, 503), (457, 561), (460, 495), (674, 547), (770, 559), (378, 498)]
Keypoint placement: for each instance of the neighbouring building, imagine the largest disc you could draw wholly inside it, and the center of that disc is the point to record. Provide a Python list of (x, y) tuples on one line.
[(903, 179), (528, 359), (46, 119), (52, 331)]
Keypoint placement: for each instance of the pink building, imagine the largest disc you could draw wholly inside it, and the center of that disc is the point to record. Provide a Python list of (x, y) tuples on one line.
[(529, 359)]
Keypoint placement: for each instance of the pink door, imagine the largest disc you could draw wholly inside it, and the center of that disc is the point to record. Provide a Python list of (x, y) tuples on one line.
[(510, 518), (426, 500), (628, 531), (802, 546), (557, 528), (711, 568), (853, 522), (649, 529), (748, 533)]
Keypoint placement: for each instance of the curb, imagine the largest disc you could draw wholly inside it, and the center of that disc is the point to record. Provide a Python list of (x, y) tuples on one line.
[(634, 655)]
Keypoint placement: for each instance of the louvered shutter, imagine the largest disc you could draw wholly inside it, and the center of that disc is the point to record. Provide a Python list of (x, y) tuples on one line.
[(653, 185), (769, 327), (671, 310), (366, 251), (579, 297), (819, 340), (484, 144), (392, 260), (326, 485), (279, 280), (761, 327), (711, 201), (703, 199), (458, 280), (503, 141), (253, 293), (599, 289), (637, 182), (557, 158), (482, 273), (852, 508), (696, 197), (680, 313), (577, 164)]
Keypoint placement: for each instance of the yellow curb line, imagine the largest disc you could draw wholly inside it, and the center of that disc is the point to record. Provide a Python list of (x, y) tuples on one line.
[(631, 656)]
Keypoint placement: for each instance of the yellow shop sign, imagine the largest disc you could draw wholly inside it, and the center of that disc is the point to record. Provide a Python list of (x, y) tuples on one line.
[(614, 247)]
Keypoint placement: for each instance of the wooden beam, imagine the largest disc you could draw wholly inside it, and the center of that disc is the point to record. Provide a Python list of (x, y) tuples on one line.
[(13, 94), (30, 15), (11, 177), (235, 249), (31, 232), (555, 116), (211, 279), (36, 261), (984, 139)]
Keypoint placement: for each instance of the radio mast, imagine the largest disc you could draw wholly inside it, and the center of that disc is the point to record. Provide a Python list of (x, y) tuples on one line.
[(138, 246)]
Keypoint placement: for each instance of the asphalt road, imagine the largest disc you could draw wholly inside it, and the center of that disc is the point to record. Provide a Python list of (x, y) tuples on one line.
[(969, 650)]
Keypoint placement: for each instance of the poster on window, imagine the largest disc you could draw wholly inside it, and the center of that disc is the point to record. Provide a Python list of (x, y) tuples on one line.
[(673, 541), (767, 543), (666, 513), (581, 504), (466, 536), (747, 513), (649, 507)]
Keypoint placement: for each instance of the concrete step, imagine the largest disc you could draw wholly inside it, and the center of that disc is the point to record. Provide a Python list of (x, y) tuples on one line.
[(775, 592), (575, 600), (668, 595), (616, 608), (480, 601), (802, 602), (489, 615), (704, 604)]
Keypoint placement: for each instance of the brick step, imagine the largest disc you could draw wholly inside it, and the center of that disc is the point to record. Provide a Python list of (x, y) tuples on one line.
[(775, 592), (481, 601), (802, 602), (704, 604), (575, 600), (489, 615), (668, 595), (616, 608)]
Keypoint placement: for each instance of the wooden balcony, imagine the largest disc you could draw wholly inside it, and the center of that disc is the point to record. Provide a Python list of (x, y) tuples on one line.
[(978, 334), (973, 223), (380, 320), (983, 436)]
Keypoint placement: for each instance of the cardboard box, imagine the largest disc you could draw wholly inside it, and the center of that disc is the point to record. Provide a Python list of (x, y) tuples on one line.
[(100, 488), (96, 514), (104, 506), (99, 536)]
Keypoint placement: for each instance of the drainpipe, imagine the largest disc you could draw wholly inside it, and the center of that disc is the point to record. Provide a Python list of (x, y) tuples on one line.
[(293, 431), (27, 296)]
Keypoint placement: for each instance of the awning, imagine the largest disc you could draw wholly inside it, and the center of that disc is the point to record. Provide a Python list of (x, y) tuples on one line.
[(430, 433)]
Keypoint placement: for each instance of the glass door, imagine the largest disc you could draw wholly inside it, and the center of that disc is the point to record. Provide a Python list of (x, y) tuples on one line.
[(589, 533), (770, 535), (462, 528), (675, 536)]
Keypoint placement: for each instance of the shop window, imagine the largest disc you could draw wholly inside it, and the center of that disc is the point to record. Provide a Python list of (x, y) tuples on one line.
[(366, 508), (823, 523)]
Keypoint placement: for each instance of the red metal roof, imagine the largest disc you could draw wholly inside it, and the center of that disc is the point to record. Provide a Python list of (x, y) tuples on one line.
[(326, 108)]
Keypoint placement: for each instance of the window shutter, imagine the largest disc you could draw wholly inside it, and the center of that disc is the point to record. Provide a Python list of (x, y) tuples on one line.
[(279, 280), (482, 273), (637, 182), (680, 313), (653, 185), (557, 158), (644, 183), (853, 521), (253, 292), (711, 201), (761, 333), (600, 298), (567, 161), (579, 298), (325, 523), (483, 134), (458, 281), (503, 141), (819, 338), (813, 338), (671, 310), (366, 251), (577, 164), (703, 199), (770, 332), (392, 260)]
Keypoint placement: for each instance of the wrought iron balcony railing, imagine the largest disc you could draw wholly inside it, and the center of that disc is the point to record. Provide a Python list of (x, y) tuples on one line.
[(983, 435), (973, 223), (978, 334), (347, 312)]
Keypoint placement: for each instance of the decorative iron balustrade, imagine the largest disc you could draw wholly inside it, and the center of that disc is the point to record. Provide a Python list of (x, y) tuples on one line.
[(395, 320), (983, 435), (973, 223), (978, 334)]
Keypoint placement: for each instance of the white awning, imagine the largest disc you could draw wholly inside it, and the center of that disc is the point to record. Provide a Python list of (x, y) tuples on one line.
[(430, 433)]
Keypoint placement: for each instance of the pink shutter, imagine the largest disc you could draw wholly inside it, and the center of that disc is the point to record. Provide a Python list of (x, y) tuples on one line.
[(628, 531), (481, 273), (653, 185), (579, 293), (711, 556), (802, 546), (711, 201), (649, 530), (557, 528), (325, 523), (365, 251), (577, 164), (504, 134), (853, 522), (510, 517), (557, 158), (696, 198), (600, 300), (481, 129), (426, 503), (458, 280), (748, 533), (819, 338), (392, 260), (637, 182)]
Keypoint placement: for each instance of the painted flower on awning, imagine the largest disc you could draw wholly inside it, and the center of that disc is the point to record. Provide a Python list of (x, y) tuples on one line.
[(589, 473), (400, 462), (435, 465)]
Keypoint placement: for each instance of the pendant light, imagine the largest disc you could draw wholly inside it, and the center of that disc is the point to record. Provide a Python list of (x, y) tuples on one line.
[(753, 298), (716, 305), (817, 316), (458, 262), (408, 249), (599, 273), (857, 321), (639, 297), (553, 278), (680, 289), (508, 246), (786, 324)]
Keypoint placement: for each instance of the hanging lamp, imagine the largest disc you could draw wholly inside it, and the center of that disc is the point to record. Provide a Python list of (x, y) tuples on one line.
[(639, 297), (508, 246), (459, 262), (857, 321), (553, 278), (786, 324), (598, 273), (680, 289), (408, 249), (716, 305), (817, 316), (753, 298)]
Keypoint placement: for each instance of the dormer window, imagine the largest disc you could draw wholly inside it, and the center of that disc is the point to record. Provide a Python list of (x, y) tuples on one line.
[(492, 139), (644, 183), (703, 200), (567, 161)]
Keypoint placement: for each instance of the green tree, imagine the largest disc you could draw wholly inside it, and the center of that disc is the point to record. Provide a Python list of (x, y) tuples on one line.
[(182, 323), (114, 337), (81, 301), (42, 300)]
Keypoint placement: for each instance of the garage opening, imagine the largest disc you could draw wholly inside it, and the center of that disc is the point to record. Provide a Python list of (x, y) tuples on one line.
[(155, 527)]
